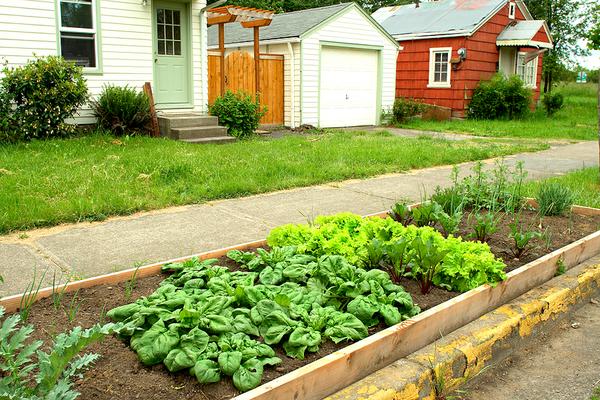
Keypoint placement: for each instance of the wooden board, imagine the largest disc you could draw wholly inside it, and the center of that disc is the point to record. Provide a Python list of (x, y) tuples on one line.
[(240, 76)]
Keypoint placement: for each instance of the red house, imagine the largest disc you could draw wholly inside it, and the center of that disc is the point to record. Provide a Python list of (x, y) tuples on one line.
[(449, 46)]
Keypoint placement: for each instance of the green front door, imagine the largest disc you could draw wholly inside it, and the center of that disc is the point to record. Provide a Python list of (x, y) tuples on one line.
[(172, 84)]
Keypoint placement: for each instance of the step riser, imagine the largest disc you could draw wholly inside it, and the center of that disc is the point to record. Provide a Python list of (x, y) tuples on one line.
[(215, 140), (199, 133), (192, 122)]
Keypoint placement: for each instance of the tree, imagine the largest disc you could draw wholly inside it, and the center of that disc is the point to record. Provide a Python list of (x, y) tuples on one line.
[(593, 38), (568, 22)]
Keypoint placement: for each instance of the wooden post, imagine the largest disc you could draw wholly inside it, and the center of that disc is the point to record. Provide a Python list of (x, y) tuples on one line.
[(257, 58), (222, 51), (154, 121)]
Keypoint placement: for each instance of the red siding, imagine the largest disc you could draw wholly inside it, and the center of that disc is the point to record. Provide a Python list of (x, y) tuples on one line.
[(482, 63)]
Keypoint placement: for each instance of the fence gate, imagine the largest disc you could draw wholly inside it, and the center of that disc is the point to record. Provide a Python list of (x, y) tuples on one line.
[(240, 76)]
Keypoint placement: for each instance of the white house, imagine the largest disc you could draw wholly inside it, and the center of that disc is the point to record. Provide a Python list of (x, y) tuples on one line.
[(339, 64), (122, 42)]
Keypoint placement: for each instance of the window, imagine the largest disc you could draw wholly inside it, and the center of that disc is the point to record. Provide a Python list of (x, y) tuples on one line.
[(439, 67), (168, 30), (512, 9), (78, 32), (527, 70)]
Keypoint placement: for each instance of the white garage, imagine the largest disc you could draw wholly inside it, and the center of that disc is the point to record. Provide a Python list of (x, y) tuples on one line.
[(339, 64)]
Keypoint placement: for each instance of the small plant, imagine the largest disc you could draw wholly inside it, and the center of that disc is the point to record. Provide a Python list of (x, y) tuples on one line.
[(484, 225), (522, 238), (395, 256), (30, 373), (554, 199), (427, 259), (57, 293), (44, 93), (450, 222), (122, 110), (239, 112), (131, 284), (30, 295), (561, 267), (405, 109), (553, 102), (427, 214), (73, 307), (402, 213), (375, 253)]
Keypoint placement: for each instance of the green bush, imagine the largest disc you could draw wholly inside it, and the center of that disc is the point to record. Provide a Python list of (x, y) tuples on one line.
[(554, 199), (8, 132), (405, 109), (552, 102), (500, 98), (43, 94), (122, 110), (239, 112)]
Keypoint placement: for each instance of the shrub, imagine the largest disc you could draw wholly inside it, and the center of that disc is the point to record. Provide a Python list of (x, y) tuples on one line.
[(552, 103), (43, 94), (8, 132), (122, 109), (404, 109), (239, 112), (500, 98), (554, 199)]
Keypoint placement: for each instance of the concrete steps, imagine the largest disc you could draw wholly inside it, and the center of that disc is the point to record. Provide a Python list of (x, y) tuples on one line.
[(193, 128)]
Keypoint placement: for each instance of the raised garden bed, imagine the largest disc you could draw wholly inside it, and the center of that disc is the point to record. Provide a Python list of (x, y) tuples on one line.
[(119, 373)]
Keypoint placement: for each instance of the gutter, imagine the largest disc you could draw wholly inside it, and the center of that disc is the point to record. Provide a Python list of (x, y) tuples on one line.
[(265, 42)]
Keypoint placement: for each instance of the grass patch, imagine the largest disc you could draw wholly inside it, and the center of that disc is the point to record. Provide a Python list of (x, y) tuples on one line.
[(596, 394), (584, 184), (45, 183), (577, 120)]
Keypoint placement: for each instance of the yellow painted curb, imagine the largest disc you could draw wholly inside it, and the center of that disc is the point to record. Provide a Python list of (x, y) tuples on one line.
[(445, 365)]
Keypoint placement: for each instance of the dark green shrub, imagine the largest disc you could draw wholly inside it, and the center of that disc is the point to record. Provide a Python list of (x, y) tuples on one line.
[(43, 94), (8, 133), (404, 109), (239, 112), (500, 98), (122, 110), (554, 199), (552, 103)]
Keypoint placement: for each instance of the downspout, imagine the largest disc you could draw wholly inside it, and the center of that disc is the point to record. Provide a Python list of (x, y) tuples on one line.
[(293, 84)]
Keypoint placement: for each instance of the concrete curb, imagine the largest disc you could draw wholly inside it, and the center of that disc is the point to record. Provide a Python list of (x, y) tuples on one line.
[(447, 364)]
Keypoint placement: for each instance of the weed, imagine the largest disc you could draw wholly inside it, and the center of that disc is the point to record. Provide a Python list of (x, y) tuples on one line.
[(73, 307), (57, 293), (561, 267), (30, 295), (132, 283), (554, 199)]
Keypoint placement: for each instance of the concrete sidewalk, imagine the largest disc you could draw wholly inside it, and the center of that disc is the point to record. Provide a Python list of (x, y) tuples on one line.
[(90, 249)]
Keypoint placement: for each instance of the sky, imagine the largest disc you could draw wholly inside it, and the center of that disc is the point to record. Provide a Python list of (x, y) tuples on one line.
[(592, 61)]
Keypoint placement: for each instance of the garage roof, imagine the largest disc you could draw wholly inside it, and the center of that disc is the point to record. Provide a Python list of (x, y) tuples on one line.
[(437, 18), (287, 25)]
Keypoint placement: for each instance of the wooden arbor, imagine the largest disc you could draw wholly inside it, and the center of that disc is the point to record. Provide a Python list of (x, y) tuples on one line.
[(249, 18)]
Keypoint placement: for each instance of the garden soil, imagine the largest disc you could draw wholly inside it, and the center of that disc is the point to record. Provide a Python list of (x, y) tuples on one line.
[(119, 374)]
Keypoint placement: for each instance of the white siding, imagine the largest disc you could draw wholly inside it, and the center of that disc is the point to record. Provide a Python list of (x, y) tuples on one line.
[(28, 27), (351, 28)]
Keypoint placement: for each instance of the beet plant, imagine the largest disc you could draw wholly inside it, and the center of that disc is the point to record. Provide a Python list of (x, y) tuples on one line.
[(427, 259)]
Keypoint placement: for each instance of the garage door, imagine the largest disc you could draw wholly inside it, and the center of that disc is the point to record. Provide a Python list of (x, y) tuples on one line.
[(348, 87)]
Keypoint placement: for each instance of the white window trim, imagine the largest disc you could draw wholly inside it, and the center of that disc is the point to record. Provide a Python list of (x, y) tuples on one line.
[(432, 83), (535, 69), (94, 30), (512, 10)]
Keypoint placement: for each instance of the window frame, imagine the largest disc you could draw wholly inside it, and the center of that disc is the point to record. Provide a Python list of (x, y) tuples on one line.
[(95, 30), (533, 64), (512, 10), (432, 53)]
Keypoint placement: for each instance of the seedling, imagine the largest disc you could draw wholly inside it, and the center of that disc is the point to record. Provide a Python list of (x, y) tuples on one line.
[(561, 267), (30, 295), (401, 213), (57, 293), (131, 284), (522, 238), (73, 307), (484, 226)]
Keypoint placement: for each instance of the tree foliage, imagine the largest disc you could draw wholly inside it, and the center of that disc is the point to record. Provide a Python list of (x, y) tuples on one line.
[(568, 21)]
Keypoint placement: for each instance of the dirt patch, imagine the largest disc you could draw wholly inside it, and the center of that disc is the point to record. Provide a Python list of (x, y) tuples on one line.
[(120, 375)]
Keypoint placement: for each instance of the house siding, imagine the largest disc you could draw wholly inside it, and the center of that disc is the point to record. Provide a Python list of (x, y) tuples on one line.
[(481, 64), (352, 28), (126, 43)]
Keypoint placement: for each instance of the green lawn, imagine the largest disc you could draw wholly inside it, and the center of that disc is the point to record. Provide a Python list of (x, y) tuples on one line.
[(584, 183), (577, 120), (44, 183)]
